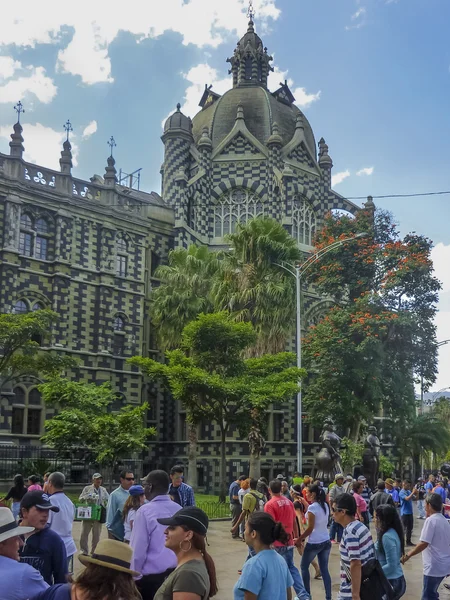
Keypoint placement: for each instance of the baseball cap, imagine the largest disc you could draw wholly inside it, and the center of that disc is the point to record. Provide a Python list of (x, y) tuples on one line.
[(136, 490), (97, 476), (338, 476), (38, 499), (191, 516)]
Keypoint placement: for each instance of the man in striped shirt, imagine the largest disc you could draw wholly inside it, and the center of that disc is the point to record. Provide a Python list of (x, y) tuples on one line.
[(356, 547)]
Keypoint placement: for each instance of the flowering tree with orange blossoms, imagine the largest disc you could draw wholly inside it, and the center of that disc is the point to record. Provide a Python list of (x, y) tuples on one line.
[(368, 350)]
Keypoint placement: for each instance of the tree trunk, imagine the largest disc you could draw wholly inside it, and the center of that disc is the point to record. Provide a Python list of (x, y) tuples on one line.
[(223, 464), (355, 428), (255, 465), (256, 443), (192, 457)]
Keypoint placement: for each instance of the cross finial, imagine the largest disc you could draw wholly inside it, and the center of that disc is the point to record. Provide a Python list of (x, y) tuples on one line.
[(251, 11), (68, 128), (19, 109), (111, 143)]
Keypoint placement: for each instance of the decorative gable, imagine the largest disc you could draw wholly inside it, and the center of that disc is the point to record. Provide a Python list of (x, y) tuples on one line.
[(240, 145), (301, 155)]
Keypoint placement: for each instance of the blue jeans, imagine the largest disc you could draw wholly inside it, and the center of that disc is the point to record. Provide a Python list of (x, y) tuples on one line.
[(399, 587), (15, 509), (287, 552), (322, 551), (336, 530), (430, 587)]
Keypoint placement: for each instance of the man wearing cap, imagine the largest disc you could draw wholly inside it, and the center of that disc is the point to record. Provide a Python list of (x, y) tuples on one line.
[(150, 555), (336, 491), (43, 549), (92, 494), (390, 489), (62, 521), (19, 581)]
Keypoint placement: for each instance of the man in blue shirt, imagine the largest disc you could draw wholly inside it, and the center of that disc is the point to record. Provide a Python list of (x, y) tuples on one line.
[(180, 492), (406, 509), (117, 501), (18, 580), (429, 484), (390, 489), (439, 489), (235, 505)]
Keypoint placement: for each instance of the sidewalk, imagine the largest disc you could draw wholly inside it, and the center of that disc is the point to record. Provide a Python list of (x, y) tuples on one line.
[(229, 556)]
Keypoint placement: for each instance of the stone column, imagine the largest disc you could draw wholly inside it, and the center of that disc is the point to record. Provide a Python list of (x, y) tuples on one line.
[(12, 223)]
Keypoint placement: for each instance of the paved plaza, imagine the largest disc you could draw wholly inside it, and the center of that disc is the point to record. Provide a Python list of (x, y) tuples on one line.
[(229, 555)]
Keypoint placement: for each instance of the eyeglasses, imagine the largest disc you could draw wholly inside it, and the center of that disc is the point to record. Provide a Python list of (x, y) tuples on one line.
[(129, 478), (338, 510)]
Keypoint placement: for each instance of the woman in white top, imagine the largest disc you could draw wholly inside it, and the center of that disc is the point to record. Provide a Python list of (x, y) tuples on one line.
[(134, 501), (319, 543)]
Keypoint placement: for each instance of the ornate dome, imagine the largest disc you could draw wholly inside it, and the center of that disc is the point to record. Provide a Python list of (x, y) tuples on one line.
[(178, 121), (261, 110)]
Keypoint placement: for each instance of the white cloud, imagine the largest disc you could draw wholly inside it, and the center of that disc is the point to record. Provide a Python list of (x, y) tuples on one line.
[(358, 19), (365, 171), (96, 24), (89, 130), (42, 144), (302, 98), (441, 259), (34, 81), (8, 66), (339, 177)]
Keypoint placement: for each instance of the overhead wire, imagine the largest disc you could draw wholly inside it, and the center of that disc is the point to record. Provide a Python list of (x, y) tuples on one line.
[(399, 195)]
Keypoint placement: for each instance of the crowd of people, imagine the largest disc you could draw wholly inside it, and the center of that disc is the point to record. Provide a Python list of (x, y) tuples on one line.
[(315, 517), (156, 544)]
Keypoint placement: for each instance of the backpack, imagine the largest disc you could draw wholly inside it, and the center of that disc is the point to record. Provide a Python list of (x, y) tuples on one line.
[(259, 502)]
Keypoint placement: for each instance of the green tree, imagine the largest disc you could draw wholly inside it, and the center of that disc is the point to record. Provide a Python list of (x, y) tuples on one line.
[(20, 354), (183, 293), (85, 421), (366, 353), (213, 381), (255, 289), (351, 454)]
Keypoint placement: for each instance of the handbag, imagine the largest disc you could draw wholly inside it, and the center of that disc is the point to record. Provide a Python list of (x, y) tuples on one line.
[(102, 514), (374, 584)]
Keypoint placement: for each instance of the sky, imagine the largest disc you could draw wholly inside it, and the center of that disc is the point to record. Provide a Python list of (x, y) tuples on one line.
[(372, 76)]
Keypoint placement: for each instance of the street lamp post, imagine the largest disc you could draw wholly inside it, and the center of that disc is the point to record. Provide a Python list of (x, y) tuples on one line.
[(297, 271)]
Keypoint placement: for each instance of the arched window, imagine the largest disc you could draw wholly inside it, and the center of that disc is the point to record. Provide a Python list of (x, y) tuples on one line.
[(119, 324), (121, 257), (33, 239), (304, 222), (21, 307), (36, 306), (26, 412), (248, 67), (236, 206)]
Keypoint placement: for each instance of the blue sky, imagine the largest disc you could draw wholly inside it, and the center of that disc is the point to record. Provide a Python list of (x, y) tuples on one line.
[(372, 76)]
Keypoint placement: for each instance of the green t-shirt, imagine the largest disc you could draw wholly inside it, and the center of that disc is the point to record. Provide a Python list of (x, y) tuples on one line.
[(189, 577), (251, 499), (297, 480)]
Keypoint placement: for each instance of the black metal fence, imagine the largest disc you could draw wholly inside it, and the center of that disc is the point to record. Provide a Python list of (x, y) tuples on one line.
[(77, 466), (216, 510)]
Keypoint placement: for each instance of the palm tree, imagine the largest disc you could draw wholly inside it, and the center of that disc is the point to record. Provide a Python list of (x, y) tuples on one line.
[(254, 288), (425, 432), (184, 292)]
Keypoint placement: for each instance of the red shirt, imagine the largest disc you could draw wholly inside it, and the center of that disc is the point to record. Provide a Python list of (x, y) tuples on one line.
[(282, 509)]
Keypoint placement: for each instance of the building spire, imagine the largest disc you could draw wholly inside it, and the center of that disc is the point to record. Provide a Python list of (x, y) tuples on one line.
[(251, 12), (110, 171), (68, 128), (65, 162), (16, 143), (112, 144)]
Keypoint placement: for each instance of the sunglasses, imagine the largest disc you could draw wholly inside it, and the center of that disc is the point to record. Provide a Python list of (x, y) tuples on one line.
[(129, 478), (338, 510)]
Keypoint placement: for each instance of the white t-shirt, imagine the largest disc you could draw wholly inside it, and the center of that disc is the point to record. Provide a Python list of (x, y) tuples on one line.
[(127, 523), (436, 556), (241, 494), (62, 522), (320, 533)]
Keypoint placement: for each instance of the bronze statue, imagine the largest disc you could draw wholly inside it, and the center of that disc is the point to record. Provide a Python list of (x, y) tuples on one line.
[(328, 461), (371, 457)]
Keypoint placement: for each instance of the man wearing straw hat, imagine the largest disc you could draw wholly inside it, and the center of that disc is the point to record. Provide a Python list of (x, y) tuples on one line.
[(19, 581)]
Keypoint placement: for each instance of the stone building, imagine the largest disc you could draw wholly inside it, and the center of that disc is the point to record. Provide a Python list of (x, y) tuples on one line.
[(88, 250)]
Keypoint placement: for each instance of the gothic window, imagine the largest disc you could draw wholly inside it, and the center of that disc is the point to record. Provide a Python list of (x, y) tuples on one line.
[(20, 307), (121, 257), (236, 206), (34, 239), (277, 427), (36, 306), (119, 324), (248, 67), (304, 222), (26, 412), (191, 216)]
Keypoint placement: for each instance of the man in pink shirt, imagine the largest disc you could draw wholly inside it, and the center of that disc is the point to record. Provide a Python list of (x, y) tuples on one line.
[(283, 511)]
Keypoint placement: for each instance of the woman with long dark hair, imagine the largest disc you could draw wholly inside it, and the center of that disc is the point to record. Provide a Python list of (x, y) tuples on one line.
[(301, 508), (16, 493), (265, 575), (319, 543), (195, 573), (390, 546)]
